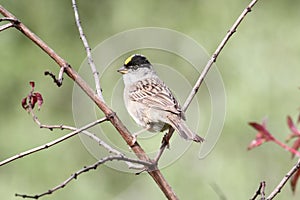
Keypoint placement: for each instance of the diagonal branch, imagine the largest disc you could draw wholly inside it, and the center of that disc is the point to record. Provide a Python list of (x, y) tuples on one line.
[(111, 116), (260, 191), (54, 142), (279, 187), (206, 69), (83, 170), (6, 26), (215, 55), (87, 133)]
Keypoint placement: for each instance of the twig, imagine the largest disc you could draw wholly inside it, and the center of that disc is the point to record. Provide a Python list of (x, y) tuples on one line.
[(58, 81), (9, 19), (6, 26), (111, 150), (90, 135), (11, 23), (52, 143), (86, 169), (155, 174), (62, 127), (112, 117), (209, 64), (88, 51), (260, 191), (279, 187), (213, 58), (263, 186)]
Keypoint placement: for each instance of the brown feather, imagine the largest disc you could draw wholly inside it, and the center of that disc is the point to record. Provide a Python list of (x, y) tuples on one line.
[(155, 94)]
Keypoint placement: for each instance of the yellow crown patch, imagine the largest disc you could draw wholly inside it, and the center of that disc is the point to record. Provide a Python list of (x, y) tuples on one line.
[(129, 59)]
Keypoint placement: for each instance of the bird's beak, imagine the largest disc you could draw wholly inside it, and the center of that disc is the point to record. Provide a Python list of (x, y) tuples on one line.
[(123, 70)]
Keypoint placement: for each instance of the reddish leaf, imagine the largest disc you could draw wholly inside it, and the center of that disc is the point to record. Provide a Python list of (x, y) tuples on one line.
[(262, 136), (293, 128), (24, 103), (256, 142), (296, 146), (294, 180), (32, 84), (32, 98), (39, 99)]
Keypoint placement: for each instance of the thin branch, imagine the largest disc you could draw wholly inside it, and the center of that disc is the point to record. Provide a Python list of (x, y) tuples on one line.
[(155, 173), (87, 133), (83, 170), (111, 116), (260, 191), (6, 26), (52, 143), (9, 19), (279, 187), (71, 128), (209, 64), (11, 23), (213, 58), (88, 51), (111, 150), (58, 81)]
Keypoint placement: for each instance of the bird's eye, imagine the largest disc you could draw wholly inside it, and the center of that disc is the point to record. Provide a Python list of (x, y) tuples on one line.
[(135, 67)]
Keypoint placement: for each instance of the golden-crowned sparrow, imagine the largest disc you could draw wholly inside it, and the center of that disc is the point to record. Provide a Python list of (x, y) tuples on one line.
[(149, 101)]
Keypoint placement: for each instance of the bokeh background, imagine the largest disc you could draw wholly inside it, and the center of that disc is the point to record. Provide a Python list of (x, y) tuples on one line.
[(260, 68)]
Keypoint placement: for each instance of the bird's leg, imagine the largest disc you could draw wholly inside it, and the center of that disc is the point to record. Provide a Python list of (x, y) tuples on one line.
[(165, 143), (166, 139)]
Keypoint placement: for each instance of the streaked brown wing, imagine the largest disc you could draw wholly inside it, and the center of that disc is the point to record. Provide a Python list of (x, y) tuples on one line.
[(155, 94)]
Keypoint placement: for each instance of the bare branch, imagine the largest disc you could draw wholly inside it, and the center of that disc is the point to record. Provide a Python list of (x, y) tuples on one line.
[(213, 58), (87, 133), (62, 127), (111, 116), (83, 170), (9, 19), (110, 149), (209, 64), (260, 191), (6, 26), (11, 23), (279, 187), (54, 142), (140, 153), (88, 51), (60, 78)]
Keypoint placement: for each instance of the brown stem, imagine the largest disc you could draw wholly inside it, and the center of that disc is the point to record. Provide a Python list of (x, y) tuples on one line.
[(112, 117), (284, 180)]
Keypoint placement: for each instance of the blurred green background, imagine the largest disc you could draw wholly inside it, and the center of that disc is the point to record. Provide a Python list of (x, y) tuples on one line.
[(260, 68)]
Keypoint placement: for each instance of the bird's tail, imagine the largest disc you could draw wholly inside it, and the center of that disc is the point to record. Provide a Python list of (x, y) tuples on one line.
[(180, 126)]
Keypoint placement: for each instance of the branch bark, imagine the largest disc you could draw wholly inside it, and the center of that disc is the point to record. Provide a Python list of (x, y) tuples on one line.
[(109, 113)]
